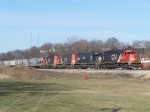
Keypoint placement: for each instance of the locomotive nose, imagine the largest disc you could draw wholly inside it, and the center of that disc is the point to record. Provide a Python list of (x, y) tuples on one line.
[(133, 58)]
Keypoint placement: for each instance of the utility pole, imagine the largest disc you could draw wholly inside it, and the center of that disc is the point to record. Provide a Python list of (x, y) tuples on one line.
[(31, 40), (38, 39)]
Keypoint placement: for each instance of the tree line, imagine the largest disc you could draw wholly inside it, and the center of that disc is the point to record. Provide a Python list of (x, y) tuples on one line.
[(76, 45)]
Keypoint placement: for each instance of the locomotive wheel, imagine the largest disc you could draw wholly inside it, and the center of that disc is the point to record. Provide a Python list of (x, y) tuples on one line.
[(92, 67), (76, 66), (67, 66), (97, 67)]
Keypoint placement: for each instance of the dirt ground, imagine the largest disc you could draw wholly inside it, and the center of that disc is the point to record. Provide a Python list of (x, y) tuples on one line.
[(33, 73)]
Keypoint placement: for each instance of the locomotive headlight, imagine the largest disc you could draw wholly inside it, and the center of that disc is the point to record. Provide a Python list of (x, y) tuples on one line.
[(132, 59)]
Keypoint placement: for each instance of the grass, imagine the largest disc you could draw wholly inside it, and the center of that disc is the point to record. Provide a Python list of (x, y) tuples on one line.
[(74, 95)]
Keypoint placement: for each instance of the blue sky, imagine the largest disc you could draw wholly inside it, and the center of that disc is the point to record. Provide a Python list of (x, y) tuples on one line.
[(57, 20)]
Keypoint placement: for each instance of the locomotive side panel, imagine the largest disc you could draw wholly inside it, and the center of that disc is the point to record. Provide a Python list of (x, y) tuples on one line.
[(112, 55), (57, 60), (66, 59), (50, 59), (83, 58), (86, 60)]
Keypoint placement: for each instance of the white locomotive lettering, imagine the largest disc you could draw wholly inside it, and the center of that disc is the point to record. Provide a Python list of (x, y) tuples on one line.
[(114, 57)]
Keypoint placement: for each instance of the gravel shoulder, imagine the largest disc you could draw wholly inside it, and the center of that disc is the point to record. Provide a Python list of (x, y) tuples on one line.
[(107, 73)]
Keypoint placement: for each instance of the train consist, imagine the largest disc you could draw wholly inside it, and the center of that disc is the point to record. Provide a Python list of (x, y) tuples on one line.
[(111, 59)]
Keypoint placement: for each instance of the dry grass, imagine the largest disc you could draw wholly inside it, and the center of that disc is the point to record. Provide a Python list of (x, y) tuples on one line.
[(4, 76), (146, 77), (18, 72)]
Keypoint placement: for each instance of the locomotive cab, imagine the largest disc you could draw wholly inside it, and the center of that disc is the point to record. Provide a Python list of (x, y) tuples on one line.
[(129, 56)]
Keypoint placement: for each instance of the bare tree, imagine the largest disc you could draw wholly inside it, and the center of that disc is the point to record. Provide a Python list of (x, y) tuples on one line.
[(96, 45), (18, 54), (112, 43), (34, 52), (2, 56)]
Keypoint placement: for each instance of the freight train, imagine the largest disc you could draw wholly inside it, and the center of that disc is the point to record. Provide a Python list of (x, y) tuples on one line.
[(125, 58)]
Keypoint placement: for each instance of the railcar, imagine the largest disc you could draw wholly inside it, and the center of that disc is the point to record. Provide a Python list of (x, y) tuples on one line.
[(126, 59), (67, 61), (51, 61), (25, 62), (12, 63), (35, 62), (145, 64), (88, 60), (1, 63), (7, 63), (19, 62)]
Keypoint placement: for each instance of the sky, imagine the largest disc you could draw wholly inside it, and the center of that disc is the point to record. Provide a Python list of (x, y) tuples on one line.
[(22, 22)]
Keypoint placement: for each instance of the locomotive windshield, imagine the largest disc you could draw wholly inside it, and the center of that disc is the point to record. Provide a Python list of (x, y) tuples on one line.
[(130, 52)]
